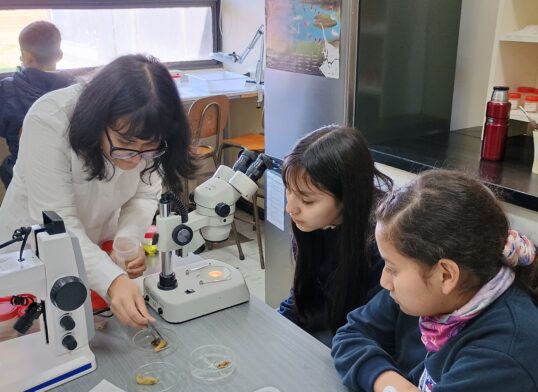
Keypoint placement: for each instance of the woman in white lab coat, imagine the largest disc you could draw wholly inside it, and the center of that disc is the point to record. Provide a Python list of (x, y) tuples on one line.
[(96, 154)]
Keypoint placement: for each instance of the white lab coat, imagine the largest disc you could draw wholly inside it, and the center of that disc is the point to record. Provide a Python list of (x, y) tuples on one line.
[(49, 176)]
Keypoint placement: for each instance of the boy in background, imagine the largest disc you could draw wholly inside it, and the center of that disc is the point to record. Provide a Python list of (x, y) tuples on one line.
[(40, 51)]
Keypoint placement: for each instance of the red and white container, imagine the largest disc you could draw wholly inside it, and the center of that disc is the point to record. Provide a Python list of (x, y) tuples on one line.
[(514, 99), (524, 91), (531, 103)]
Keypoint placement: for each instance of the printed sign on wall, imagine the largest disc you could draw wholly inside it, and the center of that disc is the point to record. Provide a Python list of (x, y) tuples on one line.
[(303, 36)]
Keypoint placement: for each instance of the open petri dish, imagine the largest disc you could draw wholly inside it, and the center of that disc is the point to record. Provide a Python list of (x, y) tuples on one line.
[(165, 375), (144, 340), (212, 363)]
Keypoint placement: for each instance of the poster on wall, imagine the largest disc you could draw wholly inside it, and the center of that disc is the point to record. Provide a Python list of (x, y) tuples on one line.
[(303, 36)]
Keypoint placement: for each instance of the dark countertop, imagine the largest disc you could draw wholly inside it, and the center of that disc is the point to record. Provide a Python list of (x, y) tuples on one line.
[(511, 178)]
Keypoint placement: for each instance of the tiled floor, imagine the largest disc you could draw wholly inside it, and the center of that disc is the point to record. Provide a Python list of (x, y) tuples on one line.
[(250, 267)]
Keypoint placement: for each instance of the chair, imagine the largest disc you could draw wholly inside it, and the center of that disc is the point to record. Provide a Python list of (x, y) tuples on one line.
[(208, 118), (253, 142)]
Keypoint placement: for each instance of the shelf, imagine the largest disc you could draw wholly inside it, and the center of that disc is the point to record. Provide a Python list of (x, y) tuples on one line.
[(519, 116), (519, 38)]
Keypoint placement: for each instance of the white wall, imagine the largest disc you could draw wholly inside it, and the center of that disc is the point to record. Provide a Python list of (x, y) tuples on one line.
[(521, 219), (473, 63), (239, 21)]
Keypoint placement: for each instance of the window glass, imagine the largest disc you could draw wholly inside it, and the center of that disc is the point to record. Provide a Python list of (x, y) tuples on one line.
[(93, 37)]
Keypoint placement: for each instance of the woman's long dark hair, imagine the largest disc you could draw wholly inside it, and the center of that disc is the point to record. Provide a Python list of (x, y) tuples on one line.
[(335, 160), (137, 89)]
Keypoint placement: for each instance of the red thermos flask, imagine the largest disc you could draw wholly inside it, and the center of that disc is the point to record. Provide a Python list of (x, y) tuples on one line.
[(496, 126)]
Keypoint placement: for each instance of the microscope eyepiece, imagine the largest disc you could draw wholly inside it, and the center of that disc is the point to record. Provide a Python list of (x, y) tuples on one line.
[(244, 161), (256, 170)]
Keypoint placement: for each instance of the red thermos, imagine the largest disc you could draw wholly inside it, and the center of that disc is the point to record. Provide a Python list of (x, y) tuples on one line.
[(496, 126)]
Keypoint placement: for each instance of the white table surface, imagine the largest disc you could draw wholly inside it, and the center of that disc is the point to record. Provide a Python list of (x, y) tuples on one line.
[(269, 350)]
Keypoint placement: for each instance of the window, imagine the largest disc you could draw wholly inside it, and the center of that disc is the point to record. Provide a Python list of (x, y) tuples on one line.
[(180, 33)]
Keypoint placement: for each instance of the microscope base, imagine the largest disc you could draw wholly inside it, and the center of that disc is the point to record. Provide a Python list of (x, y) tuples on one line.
[(42, 370), (204, 287)]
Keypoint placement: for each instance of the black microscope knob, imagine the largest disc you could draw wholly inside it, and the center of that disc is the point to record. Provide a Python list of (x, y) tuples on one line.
[(68, 293), (222, 210), (69, 342), (182, 235), (67, 322)]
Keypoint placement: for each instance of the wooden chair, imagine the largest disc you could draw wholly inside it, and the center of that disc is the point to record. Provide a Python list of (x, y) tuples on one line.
[(248, 141), (208, 118), (253, 142)]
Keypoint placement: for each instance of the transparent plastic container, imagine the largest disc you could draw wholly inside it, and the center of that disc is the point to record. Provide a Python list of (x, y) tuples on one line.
[(9, 314), (216, 82), (169, 378), (143, 340), (125, 249), (212, 363)]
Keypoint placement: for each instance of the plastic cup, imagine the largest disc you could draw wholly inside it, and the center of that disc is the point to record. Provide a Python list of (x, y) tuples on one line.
[(125, 249)]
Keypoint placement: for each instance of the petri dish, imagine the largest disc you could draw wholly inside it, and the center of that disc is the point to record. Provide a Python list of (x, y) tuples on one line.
[(169, 378), (144, 341), (212, 363)]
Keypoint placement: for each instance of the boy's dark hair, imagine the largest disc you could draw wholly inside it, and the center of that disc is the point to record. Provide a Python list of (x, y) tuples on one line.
[(336, 160), (446, 214), (42, 39), (138, 89)]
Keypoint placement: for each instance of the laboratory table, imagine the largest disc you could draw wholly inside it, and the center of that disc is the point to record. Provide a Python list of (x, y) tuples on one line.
[(269, 351)]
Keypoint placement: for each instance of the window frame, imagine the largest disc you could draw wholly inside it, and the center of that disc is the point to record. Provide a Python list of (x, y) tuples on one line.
[(123, 4)]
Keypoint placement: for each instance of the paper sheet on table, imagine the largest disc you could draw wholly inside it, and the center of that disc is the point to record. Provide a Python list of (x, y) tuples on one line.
[(276, 199), (105, 386)]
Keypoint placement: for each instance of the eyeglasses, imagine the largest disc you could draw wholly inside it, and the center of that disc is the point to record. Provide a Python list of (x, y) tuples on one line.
[(126, 153)]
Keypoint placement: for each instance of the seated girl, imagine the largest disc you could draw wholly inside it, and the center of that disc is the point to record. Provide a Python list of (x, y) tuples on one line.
[(451, 261), (331, 186)]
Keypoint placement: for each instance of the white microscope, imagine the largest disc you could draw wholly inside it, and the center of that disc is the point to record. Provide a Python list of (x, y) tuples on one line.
[(53, 273), (205, 286)]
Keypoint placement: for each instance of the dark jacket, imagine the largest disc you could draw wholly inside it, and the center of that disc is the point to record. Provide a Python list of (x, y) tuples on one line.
[(377, 337), (17, 94), (496, 351), (317, 323)]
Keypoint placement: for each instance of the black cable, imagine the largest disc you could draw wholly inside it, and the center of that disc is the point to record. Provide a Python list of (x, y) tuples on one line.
[(180, 207), (101, 311), (24, 300), (20, 234)]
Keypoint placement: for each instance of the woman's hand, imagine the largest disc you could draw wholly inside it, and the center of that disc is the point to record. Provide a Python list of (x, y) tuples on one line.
[(136, 266), (127, 303), (395, 380)]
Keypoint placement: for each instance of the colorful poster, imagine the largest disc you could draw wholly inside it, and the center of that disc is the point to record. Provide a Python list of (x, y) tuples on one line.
[(303, 36)]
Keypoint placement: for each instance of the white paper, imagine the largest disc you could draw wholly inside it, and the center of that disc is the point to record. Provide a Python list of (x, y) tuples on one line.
[(276, 200), (105, 386)]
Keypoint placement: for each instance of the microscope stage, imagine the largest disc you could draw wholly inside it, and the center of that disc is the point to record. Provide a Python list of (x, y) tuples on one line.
[(204, 287)]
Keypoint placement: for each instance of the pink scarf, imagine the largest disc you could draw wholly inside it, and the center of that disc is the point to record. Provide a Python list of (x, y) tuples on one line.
[(437, 330)]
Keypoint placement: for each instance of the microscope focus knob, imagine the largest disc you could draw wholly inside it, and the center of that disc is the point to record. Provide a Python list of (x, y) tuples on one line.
[(69, 342), (67, 322), (68, 293), (222, 210), (182, 235)]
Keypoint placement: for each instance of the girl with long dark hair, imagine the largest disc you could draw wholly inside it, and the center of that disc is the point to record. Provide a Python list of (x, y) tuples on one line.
[(331, 188)]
